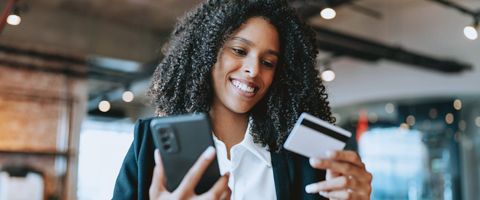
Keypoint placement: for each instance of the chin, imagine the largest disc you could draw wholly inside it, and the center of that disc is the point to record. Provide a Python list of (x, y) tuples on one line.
[(240, 109)]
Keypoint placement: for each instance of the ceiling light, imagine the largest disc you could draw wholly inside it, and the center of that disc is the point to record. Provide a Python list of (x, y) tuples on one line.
[(410, 120), (328, 75), (389, 108), (328, 13), (470, 32), (128, 96), (325, 67), (457, 104), (104, 106), (449, 118), (14, 18)]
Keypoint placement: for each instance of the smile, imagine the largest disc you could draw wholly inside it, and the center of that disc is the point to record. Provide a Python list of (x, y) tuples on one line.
[(247, 89)]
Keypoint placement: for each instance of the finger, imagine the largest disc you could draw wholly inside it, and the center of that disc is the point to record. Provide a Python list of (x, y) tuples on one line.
[(331, 174), (346, 156), (338, 183), (218, 191), (195, 173), (227, 195), (158, 177), (343, 168), (220, 187), (365, 187), (343, 194), (158, 160)]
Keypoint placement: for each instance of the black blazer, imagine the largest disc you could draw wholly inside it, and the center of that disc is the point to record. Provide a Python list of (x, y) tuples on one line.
[(291, 172)]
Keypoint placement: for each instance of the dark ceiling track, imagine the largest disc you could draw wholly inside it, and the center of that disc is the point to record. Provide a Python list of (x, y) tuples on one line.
[(349, 45), (5, 13), (474, 14), (121, 77), (68, 65), (43, 68), (343, 44), (309, 8), (41, 54), (92, 71)]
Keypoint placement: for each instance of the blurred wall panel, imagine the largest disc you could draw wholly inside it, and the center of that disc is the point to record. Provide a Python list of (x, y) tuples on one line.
[(42, 104), (470, 148), (32, 110)]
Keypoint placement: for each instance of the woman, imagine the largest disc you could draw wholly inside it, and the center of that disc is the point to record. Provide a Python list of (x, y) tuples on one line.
[(250, 64)]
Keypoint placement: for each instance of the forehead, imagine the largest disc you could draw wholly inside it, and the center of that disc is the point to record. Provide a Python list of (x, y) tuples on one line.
[(259, 32)]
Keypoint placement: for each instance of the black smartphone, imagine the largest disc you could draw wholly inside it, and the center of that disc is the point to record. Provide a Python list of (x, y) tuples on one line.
[(181, 140)]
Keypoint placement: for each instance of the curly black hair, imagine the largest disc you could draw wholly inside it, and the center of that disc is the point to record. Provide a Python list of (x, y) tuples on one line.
[(182, 81)]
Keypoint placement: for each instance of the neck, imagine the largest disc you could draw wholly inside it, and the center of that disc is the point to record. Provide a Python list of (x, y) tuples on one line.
[(229, 127)]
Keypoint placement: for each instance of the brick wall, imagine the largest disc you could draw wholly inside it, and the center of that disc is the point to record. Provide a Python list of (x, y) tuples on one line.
[(40, 118)]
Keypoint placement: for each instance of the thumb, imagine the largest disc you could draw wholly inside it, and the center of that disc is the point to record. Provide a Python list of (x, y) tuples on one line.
[(158, 178)]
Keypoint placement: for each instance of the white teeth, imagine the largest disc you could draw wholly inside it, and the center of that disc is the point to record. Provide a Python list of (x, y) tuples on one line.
[(242, 86)]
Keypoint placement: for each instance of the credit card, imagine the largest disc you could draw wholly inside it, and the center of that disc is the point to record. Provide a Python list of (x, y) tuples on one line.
[(313, 137)]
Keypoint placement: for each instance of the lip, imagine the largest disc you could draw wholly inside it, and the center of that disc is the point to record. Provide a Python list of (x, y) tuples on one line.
[(242, 93)]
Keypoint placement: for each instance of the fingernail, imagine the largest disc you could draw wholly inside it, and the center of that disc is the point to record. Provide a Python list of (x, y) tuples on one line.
[(314, 161), (209, 152), (310, 188), (330, 154), (323, 193), (156, 155)]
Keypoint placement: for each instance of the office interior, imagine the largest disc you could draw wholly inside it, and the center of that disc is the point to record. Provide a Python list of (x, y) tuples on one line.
[(402, 75)]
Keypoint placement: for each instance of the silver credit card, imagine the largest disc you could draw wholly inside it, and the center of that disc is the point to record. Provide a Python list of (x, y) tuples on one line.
[(313, 137)]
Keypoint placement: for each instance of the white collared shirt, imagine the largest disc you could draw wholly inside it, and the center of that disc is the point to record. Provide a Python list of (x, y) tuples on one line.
[(250, 167)]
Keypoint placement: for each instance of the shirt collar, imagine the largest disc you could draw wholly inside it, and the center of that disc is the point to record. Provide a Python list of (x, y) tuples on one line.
[(256, 149)]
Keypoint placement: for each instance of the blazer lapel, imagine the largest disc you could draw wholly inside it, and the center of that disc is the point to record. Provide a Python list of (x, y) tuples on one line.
[(281, 175)]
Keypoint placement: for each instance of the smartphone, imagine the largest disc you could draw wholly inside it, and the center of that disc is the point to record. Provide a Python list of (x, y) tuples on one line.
[(313, 137), (181, 140)]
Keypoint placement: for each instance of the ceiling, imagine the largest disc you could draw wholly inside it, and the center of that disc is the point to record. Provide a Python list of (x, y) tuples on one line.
[(134, 30), (156, 15), (418, 25)]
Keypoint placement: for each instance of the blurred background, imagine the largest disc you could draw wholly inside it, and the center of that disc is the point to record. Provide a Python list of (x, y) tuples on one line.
[(402, 75)]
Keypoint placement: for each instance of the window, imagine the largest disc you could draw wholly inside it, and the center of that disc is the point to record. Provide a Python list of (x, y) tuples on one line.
[(103, 146)]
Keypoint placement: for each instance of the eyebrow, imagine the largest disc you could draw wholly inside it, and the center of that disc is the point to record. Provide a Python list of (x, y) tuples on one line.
[(250, 43)]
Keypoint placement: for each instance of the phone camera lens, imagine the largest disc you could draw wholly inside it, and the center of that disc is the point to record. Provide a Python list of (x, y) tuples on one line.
[(163, 131), (166, 147), (164, 139)]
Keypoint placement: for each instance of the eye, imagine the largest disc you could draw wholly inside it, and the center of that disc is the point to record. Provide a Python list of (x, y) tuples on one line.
[(239, 52), (268, 63)]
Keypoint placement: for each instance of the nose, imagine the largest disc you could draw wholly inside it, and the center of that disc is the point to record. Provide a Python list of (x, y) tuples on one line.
[(251, 67)]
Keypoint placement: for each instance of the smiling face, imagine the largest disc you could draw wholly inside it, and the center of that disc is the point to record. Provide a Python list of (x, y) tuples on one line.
[(246, 66)]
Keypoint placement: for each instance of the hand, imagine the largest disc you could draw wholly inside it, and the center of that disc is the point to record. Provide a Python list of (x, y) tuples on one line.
[(186, 188), (346, 178)]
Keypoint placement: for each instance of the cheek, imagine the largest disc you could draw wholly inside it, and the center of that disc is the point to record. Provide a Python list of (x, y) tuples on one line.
[(215, 73), (229, 63), (268, 78), (224, 65), (217, 78)]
